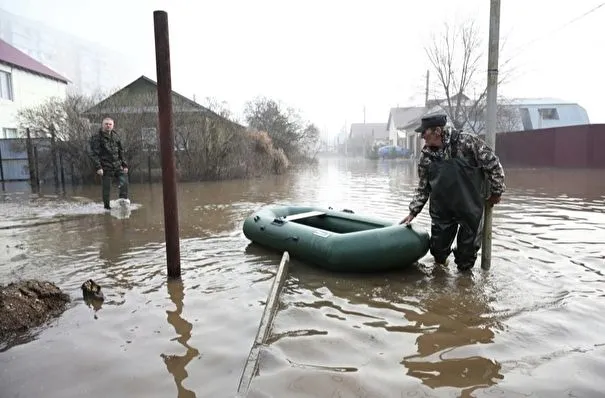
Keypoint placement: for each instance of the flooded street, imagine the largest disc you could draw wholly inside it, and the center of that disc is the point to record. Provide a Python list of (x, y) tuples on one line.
[(531, 326)]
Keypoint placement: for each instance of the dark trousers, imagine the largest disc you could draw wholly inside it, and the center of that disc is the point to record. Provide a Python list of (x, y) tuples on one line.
[(468, 243), (120, 178)]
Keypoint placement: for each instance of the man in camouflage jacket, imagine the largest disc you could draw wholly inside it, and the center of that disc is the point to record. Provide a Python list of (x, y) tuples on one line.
[(452, 171), (108, 157)]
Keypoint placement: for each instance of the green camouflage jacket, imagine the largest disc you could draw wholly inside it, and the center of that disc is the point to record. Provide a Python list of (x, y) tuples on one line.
[(470, 147), (106, 151)]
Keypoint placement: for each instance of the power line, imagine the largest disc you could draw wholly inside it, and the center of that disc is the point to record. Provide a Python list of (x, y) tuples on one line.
[(520, 49)]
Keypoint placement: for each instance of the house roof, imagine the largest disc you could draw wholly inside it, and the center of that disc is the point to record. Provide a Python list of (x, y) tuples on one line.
[(368, 130), (454, 98), (539, 101), (402, 117), (18, 59), (99, 107)]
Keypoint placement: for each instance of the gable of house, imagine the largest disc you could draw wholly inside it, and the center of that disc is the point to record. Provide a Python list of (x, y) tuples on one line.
[(15, 58), (399, 118), (140, 96)]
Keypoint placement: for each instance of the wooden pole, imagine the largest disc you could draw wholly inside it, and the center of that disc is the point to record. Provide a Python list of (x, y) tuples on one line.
[(492, 106), (30, 159), (171, 216), (53, 154), (62, 171), (149, 166), (37, 168), (1, 169)]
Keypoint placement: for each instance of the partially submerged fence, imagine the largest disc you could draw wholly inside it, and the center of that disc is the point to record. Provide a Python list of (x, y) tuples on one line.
[(26, 160), (42, 161)]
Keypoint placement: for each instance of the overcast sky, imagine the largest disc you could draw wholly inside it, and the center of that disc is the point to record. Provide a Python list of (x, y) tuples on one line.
[(331, 58)]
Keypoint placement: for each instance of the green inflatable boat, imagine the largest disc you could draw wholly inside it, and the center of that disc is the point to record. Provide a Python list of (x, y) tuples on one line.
[(337, 240)]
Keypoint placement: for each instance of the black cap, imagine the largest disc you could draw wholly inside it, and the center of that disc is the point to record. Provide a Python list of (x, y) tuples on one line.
[(431, 121)]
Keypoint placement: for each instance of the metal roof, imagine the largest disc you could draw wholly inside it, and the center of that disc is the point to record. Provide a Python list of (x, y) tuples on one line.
[(402, 117), (538, 101), (18, 59)]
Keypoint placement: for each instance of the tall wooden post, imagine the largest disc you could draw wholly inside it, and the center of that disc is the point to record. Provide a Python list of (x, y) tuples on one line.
[(171, 216)]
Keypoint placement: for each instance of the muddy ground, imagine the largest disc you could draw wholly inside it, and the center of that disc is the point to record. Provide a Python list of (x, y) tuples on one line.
[(27, 304)]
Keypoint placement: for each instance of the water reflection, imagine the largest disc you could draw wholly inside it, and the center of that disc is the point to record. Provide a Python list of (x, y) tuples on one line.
[(445, 316), (115, 240), (448, 320), (95, 304), (176, 364)]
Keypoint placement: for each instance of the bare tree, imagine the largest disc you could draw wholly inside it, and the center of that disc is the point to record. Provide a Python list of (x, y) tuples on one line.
[(61, 121), (457, 55), (221, 108), (508, 116), (288, 131)]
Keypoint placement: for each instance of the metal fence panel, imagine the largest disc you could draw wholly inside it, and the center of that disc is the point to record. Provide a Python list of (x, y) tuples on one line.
[(15, 169), (14, 159), (13, 148)]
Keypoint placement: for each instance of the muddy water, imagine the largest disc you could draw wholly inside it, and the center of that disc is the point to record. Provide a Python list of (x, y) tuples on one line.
[(533, 324)]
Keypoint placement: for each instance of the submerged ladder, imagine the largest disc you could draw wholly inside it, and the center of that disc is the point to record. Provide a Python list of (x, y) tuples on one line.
[(266, 321)]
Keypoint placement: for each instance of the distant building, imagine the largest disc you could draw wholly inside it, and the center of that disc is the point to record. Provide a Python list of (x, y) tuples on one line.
[(539, 113), (136, 105), (24, 82), (454, 99), (398, 126), (342, 141), (89, 66), (362, 136), (521, 114)]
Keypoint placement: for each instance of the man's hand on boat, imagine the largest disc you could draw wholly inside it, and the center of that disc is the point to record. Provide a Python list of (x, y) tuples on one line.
[(408, 219)]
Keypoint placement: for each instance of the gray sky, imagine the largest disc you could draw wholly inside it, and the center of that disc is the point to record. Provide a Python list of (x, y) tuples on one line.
[(330, 58)]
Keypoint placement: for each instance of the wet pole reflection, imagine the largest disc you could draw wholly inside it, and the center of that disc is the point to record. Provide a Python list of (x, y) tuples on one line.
[(176, 363), (453, 320)]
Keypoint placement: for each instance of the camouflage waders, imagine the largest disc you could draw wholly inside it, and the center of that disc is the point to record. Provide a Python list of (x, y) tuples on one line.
[(117, 176)]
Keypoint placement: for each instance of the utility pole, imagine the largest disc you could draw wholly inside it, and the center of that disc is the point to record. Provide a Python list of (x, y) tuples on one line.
[(426, 92), (492, 104), (364, 114)]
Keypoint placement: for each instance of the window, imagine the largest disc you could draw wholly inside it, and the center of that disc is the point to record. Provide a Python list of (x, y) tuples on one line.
[(9, 133), (6, 85), (149, 137), (548, 113)]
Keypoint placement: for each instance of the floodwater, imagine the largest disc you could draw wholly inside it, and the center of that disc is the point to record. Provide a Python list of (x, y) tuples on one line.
[(530, 326)]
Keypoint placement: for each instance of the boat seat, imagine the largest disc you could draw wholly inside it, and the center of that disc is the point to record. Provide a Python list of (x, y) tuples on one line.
[(307, 214)]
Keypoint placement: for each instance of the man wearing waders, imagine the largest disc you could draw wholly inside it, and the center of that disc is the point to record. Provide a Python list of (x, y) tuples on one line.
[(108, 158), (452, 170)]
